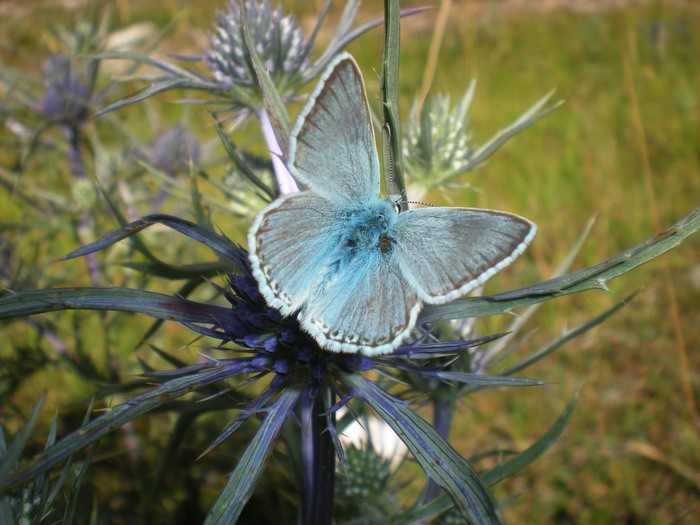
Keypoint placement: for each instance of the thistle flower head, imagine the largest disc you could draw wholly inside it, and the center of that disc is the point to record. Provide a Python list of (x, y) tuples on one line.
[(437, 143), (438, 147), (280, 346), (279, 43), (367, 475), (173, 150), (67, 90), (278, 343)]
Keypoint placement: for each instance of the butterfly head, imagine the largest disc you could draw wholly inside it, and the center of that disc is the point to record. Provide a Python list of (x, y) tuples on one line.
[(398, 202)]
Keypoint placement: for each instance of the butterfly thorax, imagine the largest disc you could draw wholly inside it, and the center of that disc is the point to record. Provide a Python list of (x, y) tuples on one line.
[(366, 230)]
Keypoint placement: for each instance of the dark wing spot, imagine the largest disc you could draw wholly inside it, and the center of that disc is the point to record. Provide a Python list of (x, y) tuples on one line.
[(386, 243)]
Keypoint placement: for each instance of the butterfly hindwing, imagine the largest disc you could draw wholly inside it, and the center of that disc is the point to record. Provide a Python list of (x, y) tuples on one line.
[(289, 243), (369, 307), (332, 148), (446, 252)]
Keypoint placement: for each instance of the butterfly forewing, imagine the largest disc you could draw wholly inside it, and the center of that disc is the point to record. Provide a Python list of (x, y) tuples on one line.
[(332, 148), (289, 243), (446, 252)]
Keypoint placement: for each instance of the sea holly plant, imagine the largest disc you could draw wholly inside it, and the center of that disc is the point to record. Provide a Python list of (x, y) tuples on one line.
[(230, 81), (279, 376), (438, 147), (228, 76)]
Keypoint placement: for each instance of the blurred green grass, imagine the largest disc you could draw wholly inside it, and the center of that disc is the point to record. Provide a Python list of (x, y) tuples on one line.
[(584, 160)]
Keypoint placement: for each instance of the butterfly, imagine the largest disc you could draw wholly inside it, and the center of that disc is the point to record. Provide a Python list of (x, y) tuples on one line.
[(355, 269)]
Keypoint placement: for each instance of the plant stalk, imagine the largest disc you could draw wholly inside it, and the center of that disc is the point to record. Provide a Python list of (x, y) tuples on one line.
[(318, 459), (443, 410), (84, 222)]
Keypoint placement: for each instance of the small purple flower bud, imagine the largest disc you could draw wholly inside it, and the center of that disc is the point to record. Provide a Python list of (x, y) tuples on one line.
[(289, 336), (270, 344), (282, 366), (251, 340), (261, 363)]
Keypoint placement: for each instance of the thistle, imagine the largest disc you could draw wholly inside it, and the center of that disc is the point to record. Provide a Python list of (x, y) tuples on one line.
[(304, 379), (307, 380), (279, 43), (242, 31), (246, 33), (173, 151), (438, 145), (68, 90)]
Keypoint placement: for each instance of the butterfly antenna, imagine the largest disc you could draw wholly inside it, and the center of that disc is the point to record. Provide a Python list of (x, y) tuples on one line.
[(389, 161), (423, 204), (390, 169)]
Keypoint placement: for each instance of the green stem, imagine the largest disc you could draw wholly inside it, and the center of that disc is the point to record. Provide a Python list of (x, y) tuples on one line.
[(391, 136)]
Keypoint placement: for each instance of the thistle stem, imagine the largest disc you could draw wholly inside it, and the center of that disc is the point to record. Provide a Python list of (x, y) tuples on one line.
[(84, 224), (75, 156), (318, 459), (443, 410)]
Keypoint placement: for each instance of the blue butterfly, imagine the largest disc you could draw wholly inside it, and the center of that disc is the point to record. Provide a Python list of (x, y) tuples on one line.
[(355, 269)]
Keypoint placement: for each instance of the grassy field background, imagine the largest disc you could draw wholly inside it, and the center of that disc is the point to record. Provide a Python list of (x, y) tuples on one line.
[(623, 148)]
